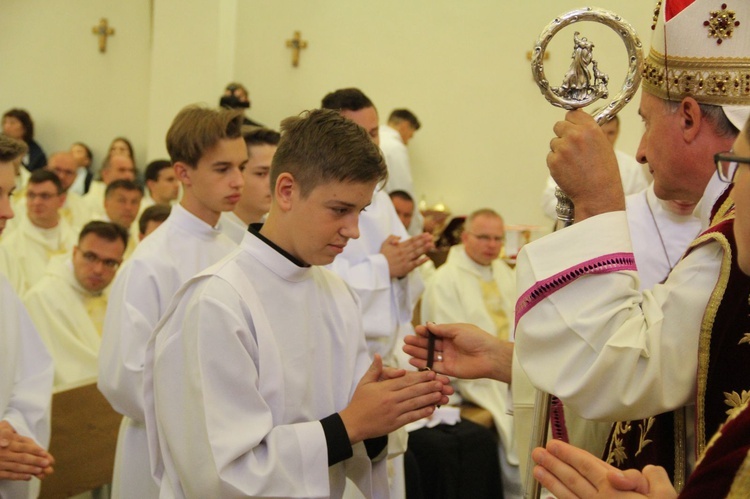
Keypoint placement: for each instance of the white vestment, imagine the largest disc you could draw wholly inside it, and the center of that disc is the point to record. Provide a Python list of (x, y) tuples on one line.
[(631, 174), (659, 236), (649, 224), (609, 351), (396, 157), (11, 270), (181, 247), (94, 199), (30, 248), (25, 382), (454, 294), (387, 303), (58, 306), (233, 226), (264, 349)]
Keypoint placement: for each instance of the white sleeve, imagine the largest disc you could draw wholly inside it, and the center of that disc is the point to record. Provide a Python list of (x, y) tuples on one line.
[(549, 201), (605, 349), (133, 310), (26, 387)]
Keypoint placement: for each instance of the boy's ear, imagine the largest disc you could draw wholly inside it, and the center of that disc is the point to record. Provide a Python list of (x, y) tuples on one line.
[(181, 170), (284, 190)]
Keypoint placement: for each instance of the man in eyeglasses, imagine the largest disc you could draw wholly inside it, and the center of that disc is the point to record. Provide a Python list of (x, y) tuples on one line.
[(41, 233), (476, 286), (67, 305)]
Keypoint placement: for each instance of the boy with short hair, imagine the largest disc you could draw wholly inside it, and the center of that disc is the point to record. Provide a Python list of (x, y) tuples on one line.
[(258, 381), (208, 154)]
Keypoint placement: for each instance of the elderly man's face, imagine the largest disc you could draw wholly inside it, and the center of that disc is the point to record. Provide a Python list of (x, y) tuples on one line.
[(483, 238)]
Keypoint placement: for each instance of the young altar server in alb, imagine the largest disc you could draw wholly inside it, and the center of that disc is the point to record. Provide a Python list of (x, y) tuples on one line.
[(208, 155), (258, 380)]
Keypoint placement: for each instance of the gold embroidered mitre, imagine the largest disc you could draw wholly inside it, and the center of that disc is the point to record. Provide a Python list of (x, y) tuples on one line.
[(701, 49)]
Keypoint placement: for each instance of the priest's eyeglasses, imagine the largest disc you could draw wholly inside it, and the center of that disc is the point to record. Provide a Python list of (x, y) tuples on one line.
[(93, 259), (727, 165)]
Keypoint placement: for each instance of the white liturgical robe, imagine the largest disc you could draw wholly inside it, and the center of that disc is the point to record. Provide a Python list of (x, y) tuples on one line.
[(387, 303), (25, 382), (233, 226), (454, 294), (181, 247), (94, 199), (265, 349), (59, 305), (607, 350), (30, 248)]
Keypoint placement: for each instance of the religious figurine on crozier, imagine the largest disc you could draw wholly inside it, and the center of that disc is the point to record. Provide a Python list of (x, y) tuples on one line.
[(580, 83)]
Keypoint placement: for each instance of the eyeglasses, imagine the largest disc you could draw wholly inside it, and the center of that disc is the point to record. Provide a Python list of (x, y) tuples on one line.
[(727, 165), (93, 259), (485, 238)]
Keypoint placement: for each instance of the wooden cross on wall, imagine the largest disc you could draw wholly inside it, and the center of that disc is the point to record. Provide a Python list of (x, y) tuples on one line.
[(296, 44), (103, 31)]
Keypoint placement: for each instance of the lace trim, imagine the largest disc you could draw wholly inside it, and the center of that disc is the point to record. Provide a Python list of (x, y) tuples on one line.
[(616, 262)]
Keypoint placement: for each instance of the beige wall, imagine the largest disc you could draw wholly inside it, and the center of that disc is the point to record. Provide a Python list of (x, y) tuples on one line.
[(460, 66)]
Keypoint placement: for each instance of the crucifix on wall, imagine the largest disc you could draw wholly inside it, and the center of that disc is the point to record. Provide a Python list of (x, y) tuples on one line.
[(103, 31), (296, 44)]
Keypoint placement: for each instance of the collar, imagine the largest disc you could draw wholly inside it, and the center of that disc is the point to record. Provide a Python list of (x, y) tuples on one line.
[(255, 229), (457, 254), (182, 218), (274, 258), (390, 133)]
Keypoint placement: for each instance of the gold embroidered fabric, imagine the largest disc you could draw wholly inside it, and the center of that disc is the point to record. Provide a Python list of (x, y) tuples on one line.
[(96, 307), (493, 302)]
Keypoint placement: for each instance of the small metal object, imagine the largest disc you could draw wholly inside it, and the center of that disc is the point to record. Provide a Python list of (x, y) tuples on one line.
[(430, 352), (582, 85)]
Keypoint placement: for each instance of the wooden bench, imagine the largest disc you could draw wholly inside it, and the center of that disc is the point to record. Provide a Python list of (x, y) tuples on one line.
[(83, 441)]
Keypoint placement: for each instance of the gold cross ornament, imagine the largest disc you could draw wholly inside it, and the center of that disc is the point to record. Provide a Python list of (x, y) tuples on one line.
[(103, 31), (296, 44)]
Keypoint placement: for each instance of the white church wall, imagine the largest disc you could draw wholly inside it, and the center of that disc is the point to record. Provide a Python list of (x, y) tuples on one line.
[(460, 66), (52, 67)]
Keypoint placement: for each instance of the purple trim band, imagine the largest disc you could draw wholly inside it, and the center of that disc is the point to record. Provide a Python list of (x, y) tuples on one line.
[(557, 420), (615, 262)]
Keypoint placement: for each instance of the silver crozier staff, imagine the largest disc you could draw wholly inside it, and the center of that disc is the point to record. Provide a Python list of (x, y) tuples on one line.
[(583, 84)]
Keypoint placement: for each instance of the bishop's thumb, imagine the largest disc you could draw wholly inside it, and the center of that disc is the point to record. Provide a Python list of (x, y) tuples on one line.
[(374, 371)]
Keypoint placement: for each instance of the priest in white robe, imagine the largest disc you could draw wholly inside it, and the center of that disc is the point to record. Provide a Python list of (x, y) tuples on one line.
[(68, 304), (42, 233), (474, 285), (115, 167), (186, 243), (74, 210)]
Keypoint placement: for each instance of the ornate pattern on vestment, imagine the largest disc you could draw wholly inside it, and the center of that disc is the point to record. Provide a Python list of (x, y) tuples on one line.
[(605, 264), (736, 401), (616, 453), (725, 212)]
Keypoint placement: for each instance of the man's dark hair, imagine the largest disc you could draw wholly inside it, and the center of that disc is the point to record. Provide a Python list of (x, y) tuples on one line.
[(349, 99), (321, 146), (106, 230), (155, 167), (197, 129), (122, 183), (11, 149), (399, 115), (25, 118), (401, 195), (154, 213), (257, 135), (43, 175)]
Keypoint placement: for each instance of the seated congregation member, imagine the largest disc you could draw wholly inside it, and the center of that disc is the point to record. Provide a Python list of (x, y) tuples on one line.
[(151, 218), (85, 160), (25, 370), (11, 151), (68, 304), (42, 233), (17, 124), (115, 167), (256, 195), (162, 186), (282, 395), (476, 286), (122, 201), (74, 210), (208, 154)]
